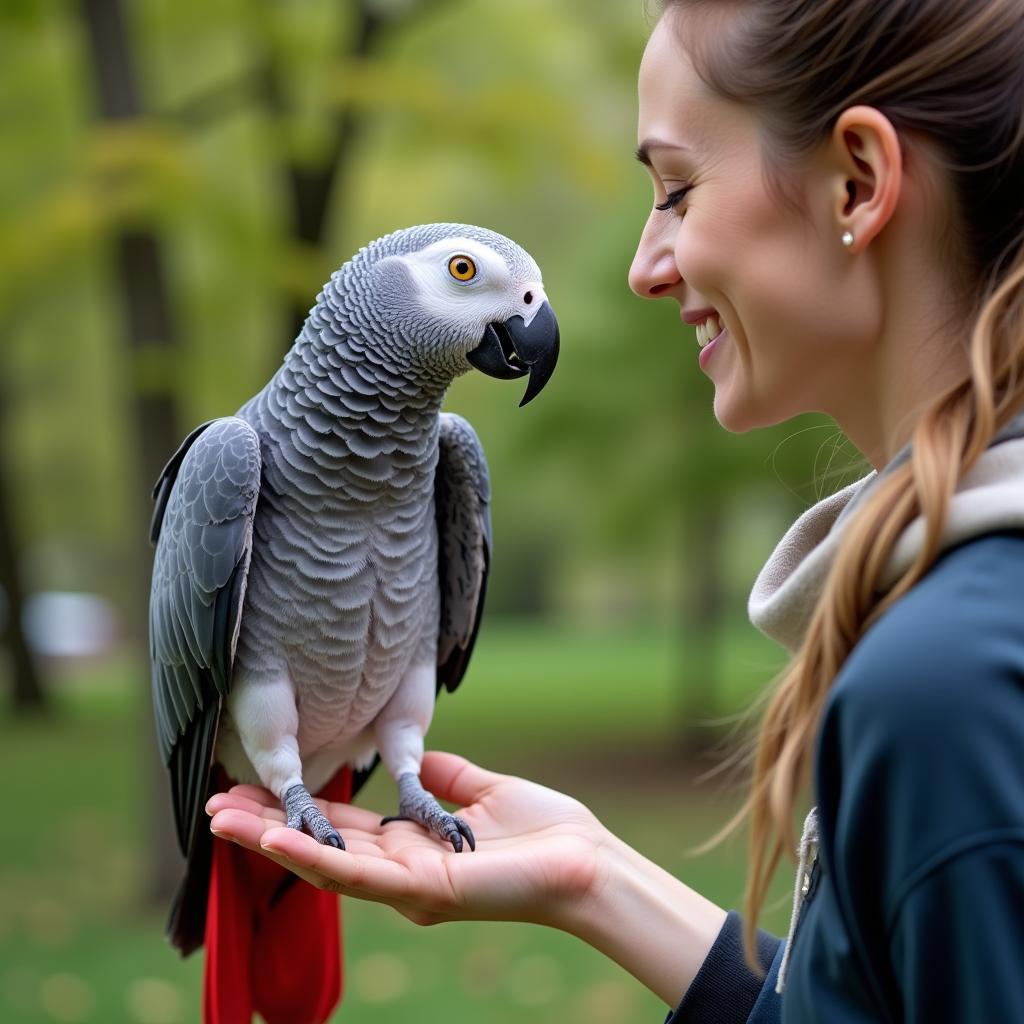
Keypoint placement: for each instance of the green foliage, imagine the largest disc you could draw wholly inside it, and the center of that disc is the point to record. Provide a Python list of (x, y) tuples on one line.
[(519, 117)]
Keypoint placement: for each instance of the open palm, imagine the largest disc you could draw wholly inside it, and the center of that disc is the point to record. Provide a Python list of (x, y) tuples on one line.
[(538, 851)]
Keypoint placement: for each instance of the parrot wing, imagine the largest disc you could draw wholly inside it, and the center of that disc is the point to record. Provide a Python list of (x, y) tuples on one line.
[(203, 525), (462, 495)]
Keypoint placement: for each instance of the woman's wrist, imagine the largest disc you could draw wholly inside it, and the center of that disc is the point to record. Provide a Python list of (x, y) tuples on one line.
[(645, 919)]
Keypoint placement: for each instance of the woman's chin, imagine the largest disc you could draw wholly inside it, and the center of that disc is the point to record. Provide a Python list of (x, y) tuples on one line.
[(738, 416), (732, 415)]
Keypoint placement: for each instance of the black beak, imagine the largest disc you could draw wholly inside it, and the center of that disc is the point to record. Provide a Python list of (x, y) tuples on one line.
[(511, 349)]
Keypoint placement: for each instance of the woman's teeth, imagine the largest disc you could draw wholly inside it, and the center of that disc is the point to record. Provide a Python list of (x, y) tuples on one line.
[(711, 328)]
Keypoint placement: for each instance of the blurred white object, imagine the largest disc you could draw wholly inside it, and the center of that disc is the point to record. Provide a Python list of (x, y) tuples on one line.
[(61, 624)]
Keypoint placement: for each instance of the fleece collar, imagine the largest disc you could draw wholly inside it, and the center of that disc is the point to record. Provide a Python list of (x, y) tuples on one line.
[(989, 498)]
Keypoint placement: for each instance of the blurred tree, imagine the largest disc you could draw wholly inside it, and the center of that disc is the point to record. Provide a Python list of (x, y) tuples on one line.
[(150, 339), (312, 178), (310, 185), (27, 690), (149, 326)]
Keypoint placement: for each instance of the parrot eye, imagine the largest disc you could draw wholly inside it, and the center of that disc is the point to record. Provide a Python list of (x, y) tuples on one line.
[(462, 268)]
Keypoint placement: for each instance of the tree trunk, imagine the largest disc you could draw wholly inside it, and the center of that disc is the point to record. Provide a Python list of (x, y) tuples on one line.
[(150, 339), (28, 693), (309, 189)]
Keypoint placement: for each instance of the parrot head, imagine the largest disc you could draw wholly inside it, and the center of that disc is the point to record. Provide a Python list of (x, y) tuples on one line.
[(461, 296)]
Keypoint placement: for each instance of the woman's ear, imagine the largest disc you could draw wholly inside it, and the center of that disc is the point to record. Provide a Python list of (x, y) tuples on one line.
[(869, 173)]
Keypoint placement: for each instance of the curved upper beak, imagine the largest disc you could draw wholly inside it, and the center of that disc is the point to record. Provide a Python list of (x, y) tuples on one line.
[(514, 348)]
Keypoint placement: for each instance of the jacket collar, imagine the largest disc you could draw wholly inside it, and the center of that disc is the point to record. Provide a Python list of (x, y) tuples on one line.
[(989, 498)]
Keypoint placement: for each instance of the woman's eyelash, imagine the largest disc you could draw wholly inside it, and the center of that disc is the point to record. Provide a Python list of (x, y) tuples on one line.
[(673, 198)]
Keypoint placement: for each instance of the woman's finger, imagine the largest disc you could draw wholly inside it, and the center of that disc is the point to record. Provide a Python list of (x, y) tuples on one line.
[(318, 881), (244, 827), (240, 802), (376, 877), (453, 778), (363, 870), (257, 793), (349, 816), (240, 826), (343, 816)]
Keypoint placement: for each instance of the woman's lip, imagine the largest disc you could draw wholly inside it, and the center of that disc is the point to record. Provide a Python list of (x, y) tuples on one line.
[(698, 316), (705, 352)]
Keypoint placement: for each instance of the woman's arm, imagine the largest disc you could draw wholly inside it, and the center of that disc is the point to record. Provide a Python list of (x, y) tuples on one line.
[(541, 857), (646, 920)]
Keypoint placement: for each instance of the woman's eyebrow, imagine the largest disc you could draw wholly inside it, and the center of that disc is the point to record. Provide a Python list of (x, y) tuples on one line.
[(643, 151)]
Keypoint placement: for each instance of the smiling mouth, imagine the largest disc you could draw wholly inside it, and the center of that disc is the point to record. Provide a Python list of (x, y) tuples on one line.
[(710, 330), (714, 339)]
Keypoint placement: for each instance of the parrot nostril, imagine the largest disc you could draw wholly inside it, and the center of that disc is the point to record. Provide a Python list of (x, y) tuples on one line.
[(528, 298)]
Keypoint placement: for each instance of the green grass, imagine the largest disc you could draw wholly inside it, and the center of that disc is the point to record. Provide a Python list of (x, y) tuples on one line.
[(591, 713)]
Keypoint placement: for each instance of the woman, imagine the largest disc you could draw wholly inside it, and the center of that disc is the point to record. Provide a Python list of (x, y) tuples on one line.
[(839, 206)]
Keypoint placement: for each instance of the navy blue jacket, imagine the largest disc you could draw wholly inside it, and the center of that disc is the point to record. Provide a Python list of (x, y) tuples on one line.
[(915, 910)]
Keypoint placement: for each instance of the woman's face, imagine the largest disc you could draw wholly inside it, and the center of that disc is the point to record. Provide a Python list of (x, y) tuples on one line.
[(797, 329)]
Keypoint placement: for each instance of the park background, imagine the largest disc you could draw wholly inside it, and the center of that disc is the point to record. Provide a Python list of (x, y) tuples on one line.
[(179, 178)]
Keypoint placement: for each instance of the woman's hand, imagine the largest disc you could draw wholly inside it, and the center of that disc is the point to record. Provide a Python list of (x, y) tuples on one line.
[(540, 857), (537, 857)]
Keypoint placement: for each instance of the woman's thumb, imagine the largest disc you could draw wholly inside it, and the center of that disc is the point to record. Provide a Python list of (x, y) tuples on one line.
[(453, 778)]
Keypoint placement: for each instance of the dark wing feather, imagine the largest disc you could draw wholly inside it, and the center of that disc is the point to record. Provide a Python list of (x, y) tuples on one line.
[(462, 492), (206, 500), (162, 488)]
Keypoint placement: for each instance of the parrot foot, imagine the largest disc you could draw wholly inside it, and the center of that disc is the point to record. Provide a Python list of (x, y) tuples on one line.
[(303, 811), (416, 804)]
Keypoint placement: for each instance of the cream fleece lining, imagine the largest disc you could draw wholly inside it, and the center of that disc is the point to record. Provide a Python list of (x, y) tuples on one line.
[(989, 498)]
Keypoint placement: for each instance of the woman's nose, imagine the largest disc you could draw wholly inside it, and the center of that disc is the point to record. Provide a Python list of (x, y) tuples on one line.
[(654, 272)]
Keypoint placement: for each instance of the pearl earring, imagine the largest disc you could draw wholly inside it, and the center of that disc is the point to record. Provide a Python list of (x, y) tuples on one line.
[(847, 238)]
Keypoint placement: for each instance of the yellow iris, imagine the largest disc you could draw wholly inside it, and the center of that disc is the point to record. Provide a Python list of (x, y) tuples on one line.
[(462, 268)]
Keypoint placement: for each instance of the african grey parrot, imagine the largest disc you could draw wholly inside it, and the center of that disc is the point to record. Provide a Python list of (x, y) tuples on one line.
[(322, 555)]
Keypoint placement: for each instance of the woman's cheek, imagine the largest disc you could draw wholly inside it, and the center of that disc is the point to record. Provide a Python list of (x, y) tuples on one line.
[(713, 282), (695, 259)]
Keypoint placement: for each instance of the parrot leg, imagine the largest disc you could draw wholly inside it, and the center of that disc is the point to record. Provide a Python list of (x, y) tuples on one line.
[(400, 729), (267, 721), (302, 810), (416, 804)]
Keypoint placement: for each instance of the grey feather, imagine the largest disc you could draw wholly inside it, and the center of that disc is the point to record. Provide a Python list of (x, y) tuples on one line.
[(204, 544), (463, 501)]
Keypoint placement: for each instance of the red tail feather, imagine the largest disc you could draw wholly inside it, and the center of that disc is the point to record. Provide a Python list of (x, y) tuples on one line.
[(273, 942)]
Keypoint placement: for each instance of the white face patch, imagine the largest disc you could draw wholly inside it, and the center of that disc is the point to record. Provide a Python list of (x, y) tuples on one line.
[(485, 293)]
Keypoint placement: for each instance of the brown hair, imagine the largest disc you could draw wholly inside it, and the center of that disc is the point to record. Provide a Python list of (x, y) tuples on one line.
[(949, 75)]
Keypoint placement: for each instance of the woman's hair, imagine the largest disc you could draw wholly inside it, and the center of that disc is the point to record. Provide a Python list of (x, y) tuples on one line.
[(949, 75)]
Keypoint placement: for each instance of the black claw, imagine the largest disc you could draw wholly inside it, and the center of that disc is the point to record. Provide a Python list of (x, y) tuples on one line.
[(304, 816), (416, 804), (467, 832)]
